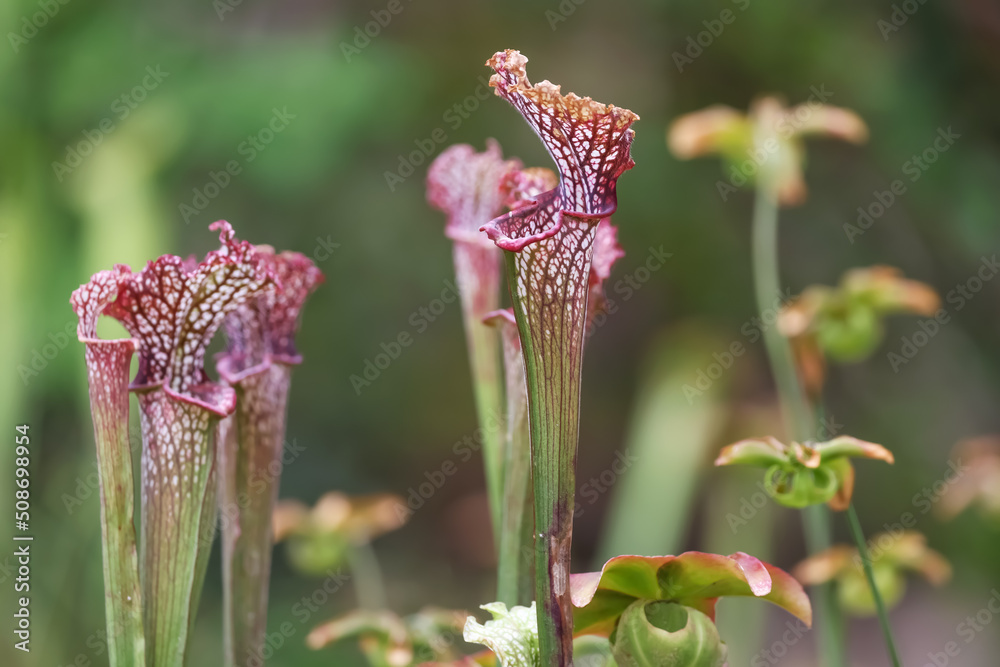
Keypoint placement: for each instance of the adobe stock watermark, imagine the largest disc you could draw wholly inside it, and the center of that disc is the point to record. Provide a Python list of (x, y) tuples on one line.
[(923, 501), (912, 169), (120, 109), (752, 331), (324, 249), (773, 654), (696, 44), (30, 25), (595, 487), (462, 452), (928, 328), (751, 506), (260, 482), (627, 286), (40, 357), (453, 117), (89, 485), (743, 173), (303, 610), (967, 630), (247, 151), (900, 14), (364, 34), (419, 321), (562, 12)]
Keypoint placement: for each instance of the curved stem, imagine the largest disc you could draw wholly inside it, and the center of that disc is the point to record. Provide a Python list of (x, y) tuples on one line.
[(866, 562), (767, 286)]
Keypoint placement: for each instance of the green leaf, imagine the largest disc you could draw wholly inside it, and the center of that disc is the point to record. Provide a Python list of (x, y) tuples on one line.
[(693, 579)]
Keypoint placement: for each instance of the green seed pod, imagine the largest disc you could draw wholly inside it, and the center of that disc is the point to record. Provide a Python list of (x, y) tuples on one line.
[(852, 335), (315, 554), (800, 486), (666, 634), (856, 597)]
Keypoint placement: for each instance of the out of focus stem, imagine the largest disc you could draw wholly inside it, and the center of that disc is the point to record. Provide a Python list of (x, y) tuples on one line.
[(514, 572), (799, 418), (479, 291), (369, 587)]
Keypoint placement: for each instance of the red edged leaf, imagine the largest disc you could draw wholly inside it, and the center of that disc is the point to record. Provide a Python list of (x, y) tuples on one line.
[(846, 446), (763, 452), (693, 579)]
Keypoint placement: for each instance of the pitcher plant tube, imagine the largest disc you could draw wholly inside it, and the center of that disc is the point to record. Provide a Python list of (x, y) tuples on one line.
[(548, 247), (108, 364), (172, 309), (468, 187), (516, 536), (257, 364)]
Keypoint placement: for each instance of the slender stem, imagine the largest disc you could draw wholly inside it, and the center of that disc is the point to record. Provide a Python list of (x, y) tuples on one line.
[(767, 285), (518, 524), (866, 562), (817, 528), (368, 584), (514, 575), (799, 417)]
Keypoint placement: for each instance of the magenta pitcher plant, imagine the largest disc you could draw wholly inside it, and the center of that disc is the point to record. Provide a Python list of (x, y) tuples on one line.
[(548, 247), (257, 364), (171, 309)]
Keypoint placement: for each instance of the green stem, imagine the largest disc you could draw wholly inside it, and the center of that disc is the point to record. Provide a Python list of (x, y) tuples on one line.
[(866, 561), (817, 529), (799, 417), (514, 576), (369, 587), (517, 527), (767, 285)]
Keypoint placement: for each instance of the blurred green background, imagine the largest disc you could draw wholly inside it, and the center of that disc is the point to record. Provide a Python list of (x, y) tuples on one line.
[(89, 178)]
